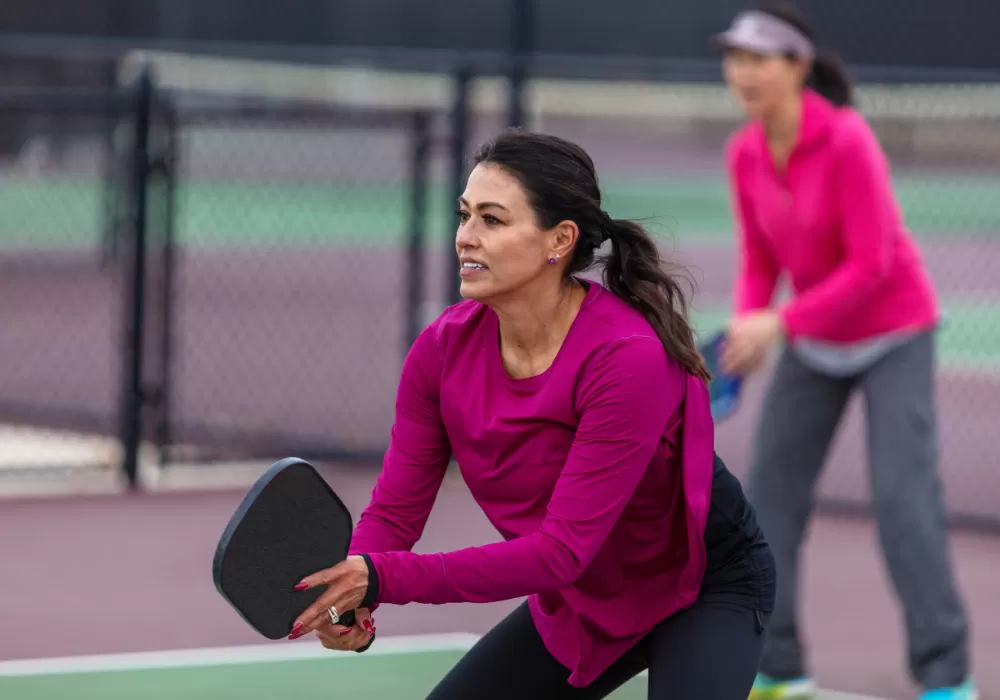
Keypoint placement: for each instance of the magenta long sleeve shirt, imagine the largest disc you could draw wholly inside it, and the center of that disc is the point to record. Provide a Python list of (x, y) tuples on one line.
[(596, 473), (831, 221)]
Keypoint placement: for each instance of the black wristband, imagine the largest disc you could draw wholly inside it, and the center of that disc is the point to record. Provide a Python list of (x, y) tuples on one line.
[(366, 647), (371, 595)]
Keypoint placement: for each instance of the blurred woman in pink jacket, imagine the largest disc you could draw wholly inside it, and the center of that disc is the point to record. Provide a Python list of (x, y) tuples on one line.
[(814, 201)]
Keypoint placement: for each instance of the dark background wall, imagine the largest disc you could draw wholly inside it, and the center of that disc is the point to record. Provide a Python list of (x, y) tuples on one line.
[(924, 34)]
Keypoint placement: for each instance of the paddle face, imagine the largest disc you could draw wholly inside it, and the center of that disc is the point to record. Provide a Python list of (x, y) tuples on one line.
[(724, 389), (290, 525)]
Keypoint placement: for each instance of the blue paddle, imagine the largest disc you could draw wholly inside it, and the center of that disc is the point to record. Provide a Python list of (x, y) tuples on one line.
[(724, 389)]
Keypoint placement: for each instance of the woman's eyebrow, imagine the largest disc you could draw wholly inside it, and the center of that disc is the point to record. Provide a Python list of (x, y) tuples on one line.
[(482, 205)]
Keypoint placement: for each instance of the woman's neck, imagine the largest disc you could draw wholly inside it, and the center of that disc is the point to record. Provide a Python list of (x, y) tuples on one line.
[(782, 129), (533, 328)]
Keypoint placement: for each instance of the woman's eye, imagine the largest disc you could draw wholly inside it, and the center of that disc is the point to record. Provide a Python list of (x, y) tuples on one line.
[(463, 216), (491, 220)]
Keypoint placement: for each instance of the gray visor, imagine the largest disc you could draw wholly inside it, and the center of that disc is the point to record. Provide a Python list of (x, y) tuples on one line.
[(764, 33)]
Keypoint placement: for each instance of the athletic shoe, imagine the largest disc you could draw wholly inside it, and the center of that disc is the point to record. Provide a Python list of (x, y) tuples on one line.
[(767, 688), (966, 691)]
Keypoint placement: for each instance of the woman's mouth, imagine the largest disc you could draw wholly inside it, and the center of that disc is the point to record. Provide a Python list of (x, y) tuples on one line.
[(471, 268)]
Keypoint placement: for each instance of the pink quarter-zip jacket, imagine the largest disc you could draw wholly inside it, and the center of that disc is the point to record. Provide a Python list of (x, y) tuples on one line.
[(597, 474), (831, 221)]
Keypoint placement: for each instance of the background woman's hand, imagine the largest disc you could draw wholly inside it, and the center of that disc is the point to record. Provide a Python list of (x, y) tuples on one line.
[(340, 638), (748, 341)]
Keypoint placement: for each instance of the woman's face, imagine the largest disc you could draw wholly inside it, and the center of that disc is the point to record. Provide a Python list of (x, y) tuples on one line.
[(762, 83), (500, 246)]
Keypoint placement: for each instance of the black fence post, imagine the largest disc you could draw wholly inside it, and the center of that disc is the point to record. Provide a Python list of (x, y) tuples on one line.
[(419, 165), (522, 21), (459, 145), (167, 163), (135, 286)]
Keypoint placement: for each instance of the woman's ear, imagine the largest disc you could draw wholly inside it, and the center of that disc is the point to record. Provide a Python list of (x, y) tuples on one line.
[(564, 237)]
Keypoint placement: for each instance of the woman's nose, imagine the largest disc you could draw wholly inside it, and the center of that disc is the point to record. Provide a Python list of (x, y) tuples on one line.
[(465, 236)]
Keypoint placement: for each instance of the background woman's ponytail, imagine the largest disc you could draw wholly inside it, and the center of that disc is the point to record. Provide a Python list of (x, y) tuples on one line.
[(633, 271), (828, 76)]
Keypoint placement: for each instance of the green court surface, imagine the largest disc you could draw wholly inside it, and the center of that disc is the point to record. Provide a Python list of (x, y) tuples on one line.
[(68, 212), (401, 668)]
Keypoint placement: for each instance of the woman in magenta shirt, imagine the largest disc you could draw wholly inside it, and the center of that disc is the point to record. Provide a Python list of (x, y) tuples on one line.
[(579, 417), (814, 201)]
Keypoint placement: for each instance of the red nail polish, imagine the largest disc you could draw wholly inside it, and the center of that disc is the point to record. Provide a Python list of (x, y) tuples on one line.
[(296, 627), (301, 586), (346, 632), (294, 635)]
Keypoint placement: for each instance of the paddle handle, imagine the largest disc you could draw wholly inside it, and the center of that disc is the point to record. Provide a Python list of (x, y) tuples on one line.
[(348, 620)]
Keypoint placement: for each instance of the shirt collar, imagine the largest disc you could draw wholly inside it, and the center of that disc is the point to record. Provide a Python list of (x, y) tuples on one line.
[(817, 116)]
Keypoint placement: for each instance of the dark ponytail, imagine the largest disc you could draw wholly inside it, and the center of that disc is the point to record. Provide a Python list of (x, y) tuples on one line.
[(634, 272), (828, 76), (561, 184)]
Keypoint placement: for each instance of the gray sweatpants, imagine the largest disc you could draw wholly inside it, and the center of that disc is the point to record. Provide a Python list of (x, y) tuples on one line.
[(799, 418)]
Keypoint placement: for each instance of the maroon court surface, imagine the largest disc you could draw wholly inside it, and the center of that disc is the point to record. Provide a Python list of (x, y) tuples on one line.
[(114, 574)]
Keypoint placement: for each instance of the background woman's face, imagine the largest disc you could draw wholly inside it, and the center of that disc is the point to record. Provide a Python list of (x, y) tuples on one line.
[(761, 82)]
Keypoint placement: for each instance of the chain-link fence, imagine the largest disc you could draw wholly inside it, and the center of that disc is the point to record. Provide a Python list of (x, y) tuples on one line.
[(298, 261), (62, 318)]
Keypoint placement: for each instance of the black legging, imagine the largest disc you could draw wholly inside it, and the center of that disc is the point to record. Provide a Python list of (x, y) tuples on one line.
[(710, 651)]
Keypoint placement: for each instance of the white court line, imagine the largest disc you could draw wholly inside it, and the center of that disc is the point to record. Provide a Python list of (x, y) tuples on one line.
[(228, 656), (260, 653)]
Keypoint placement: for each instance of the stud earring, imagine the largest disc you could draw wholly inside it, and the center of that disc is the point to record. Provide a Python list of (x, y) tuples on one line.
[(552, 261)]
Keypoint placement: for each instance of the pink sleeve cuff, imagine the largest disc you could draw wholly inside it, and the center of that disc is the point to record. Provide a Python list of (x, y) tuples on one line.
[(786, 314)]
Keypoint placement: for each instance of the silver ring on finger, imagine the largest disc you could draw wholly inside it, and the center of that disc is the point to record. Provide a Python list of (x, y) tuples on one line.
[(334, 615)]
